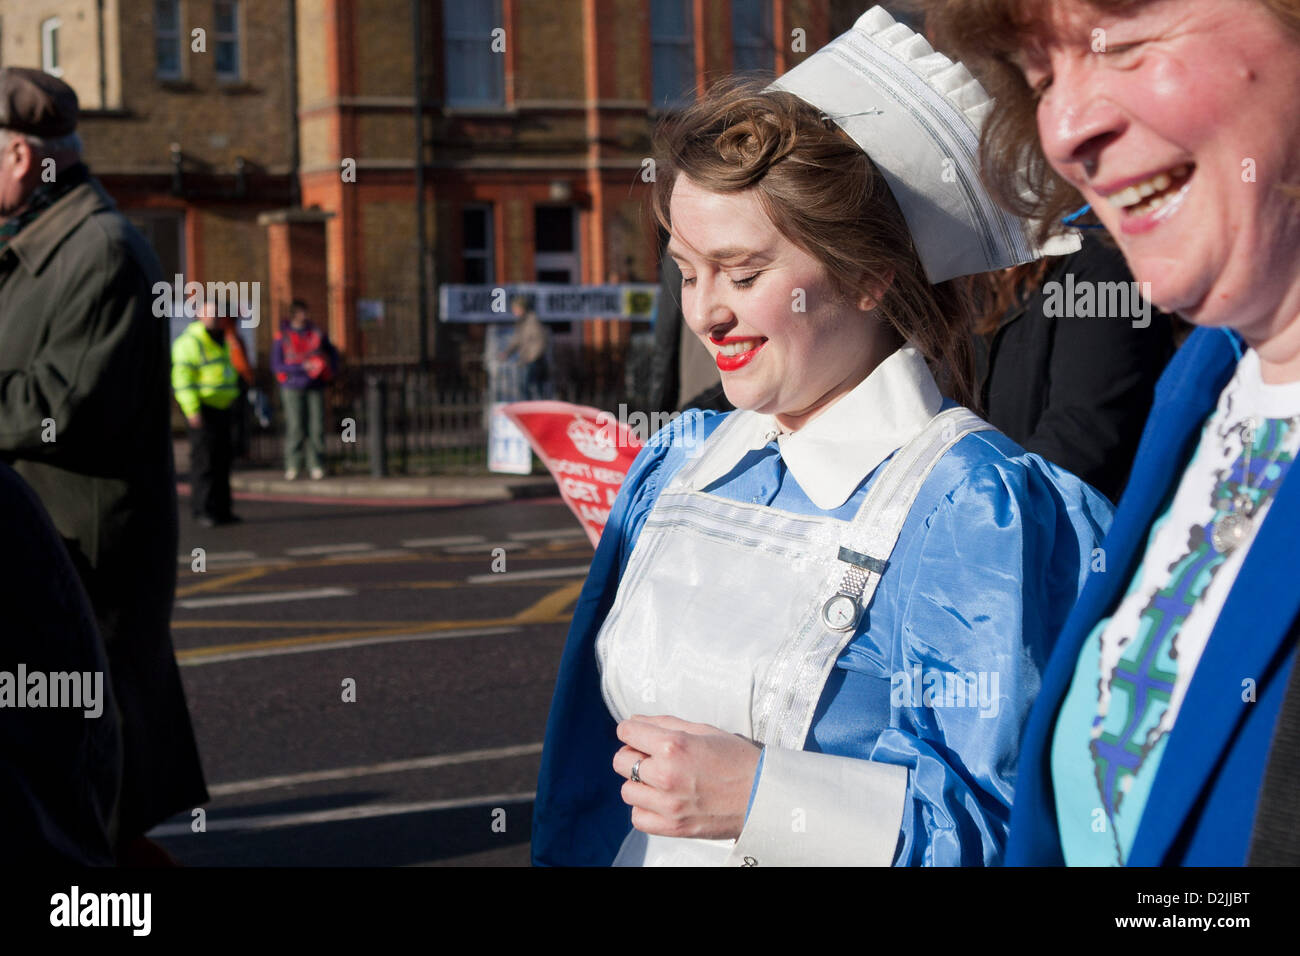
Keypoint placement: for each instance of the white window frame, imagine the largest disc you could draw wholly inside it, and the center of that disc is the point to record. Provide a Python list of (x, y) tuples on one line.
[(160, 34), (230, 38), (50, 50), (487, 253)]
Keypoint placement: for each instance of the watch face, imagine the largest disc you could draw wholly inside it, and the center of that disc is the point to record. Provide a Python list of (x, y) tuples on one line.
[(840, 612)]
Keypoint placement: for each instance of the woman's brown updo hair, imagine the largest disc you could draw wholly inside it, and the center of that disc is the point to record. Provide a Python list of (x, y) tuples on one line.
[(823, 194)]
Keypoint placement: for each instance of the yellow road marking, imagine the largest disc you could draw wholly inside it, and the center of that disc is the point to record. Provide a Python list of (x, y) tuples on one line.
[(182, 625), (271, 588), (219, 581), (334, 561), (425, 584), (552, 606), (548, 610), (330, 638), (377, 586)]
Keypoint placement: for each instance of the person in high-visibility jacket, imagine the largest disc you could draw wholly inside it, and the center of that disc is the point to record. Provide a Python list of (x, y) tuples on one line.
[(206, 386)]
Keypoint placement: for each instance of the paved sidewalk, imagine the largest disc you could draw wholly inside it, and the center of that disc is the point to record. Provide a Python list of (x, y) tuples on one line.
[(271, 482)]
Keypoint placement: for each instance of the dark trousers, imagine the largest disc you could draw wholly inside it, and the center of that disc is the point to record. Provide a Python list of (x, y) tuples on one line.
[(536, 376), (210, 457), (239, 425)]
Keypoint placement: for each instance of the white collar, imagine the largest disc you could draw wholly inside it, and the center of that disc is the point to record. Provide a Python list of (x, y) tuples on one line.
[(831, 455)]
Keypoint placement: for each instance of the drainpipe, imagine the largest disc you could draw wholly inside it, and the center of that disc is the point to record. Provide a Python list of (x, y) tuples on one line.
[(417, 31), (295, 158), (103, 69)]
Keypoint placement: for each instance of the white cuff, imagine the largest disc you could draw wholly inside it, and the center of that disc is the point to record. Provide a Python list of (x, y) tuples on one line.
[(815, 809)]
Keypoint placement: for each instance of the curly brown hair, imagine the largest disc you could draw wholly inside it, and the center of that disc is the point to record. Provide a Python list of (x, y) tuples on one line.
[(985, 34), (826, 196)]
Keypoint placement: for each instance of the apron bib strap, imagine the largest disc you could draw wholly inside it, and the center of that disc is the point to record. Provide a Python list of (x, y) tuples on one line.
[(787, 697)]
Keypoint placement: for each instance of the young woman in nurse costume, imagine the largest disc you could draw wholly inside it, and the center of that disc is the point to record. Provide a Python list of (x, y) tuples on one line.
[(813, 626)]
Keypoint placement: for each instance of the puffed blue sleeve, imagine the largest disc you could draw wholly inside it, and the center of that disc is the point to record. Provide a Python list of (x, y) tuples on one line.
[(982, 580), (994, 575)]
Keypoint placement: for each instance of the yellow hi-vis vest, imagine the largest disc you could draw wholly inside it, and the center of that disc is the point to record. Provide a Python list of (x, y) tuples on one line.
[(202, 373)]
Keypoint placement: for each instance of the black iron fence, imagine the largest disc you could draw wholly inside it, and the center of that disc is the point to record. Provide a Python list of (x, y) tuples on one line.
[(397, 418), (400, 419)]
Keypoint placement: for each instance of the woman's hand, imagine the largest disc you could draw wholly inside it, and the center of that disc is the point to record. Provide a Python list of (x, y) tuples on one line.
[(695, 779)]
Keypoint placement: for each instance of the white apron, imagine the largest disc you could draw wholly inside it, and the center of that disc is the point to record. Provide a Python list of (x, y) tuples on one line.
[(733, 614)]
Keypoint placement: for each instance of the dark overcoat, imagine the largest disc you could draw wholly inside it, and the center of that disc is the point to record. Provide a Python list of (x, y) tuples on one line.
[(85, 419)]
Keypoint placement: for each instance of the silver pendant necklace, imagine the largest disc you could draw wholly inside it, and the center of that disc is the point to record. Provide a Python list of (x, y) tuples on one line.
[(1232, 529)]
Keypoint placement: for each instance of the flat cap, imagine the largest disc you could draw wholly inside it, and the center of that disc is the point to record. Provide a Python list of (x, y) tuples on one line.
[(36, 103)]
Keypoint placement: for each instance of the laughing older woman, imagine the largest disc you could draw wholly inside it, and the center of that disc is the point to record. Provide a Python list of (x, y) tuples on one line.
[(1175, 121)]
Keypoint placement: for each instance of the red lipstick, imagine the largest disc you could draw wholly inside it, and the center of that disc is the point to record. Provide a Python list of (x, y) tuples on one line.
[(730, 363)]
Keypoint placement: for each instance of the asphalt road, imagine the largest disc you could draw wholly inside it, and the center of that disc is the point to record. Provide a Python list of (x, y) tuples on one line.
[(369, 685)]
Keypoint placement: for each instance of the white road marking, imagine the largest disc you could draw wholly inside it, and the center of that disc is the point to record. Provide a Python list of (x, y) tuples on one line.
[(485, 547), (373, 770), (442, 542), (268, 598), (578, 570), (330, 549), (554, 533), (254, 652), (218, 556), (365, 811)]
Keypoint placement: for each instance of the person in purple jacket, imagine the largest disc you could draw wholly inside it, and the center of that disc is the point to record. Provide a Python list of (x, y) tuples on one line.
[(304, 360)]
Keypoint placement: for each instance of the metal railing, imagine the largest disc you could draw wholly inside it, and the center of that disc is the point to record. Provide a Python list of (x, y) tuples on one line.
[(400, 419)]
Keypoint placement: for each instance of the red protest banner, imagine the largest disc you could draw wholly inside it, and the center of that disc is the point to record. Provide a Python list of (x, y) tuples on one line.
[(587, 450)]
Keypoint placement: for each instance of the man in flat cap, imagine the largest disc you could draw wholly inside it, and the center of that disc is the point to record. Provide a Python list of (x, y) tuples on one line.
[(85, 419)]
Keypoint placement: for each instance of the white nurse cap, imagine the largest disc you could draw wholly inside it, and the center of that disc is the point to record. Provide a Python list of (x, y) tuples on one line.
[(917, 114)]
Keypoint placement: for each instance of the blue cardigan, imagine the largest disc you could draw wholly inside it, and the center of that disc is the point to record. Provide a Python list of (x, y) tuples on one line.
[(1202, 804)]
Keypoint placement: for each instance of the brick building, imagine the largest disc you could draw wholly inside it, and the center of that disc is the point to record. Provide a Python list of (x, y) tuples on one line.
[(275, 140), (192, 145)]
